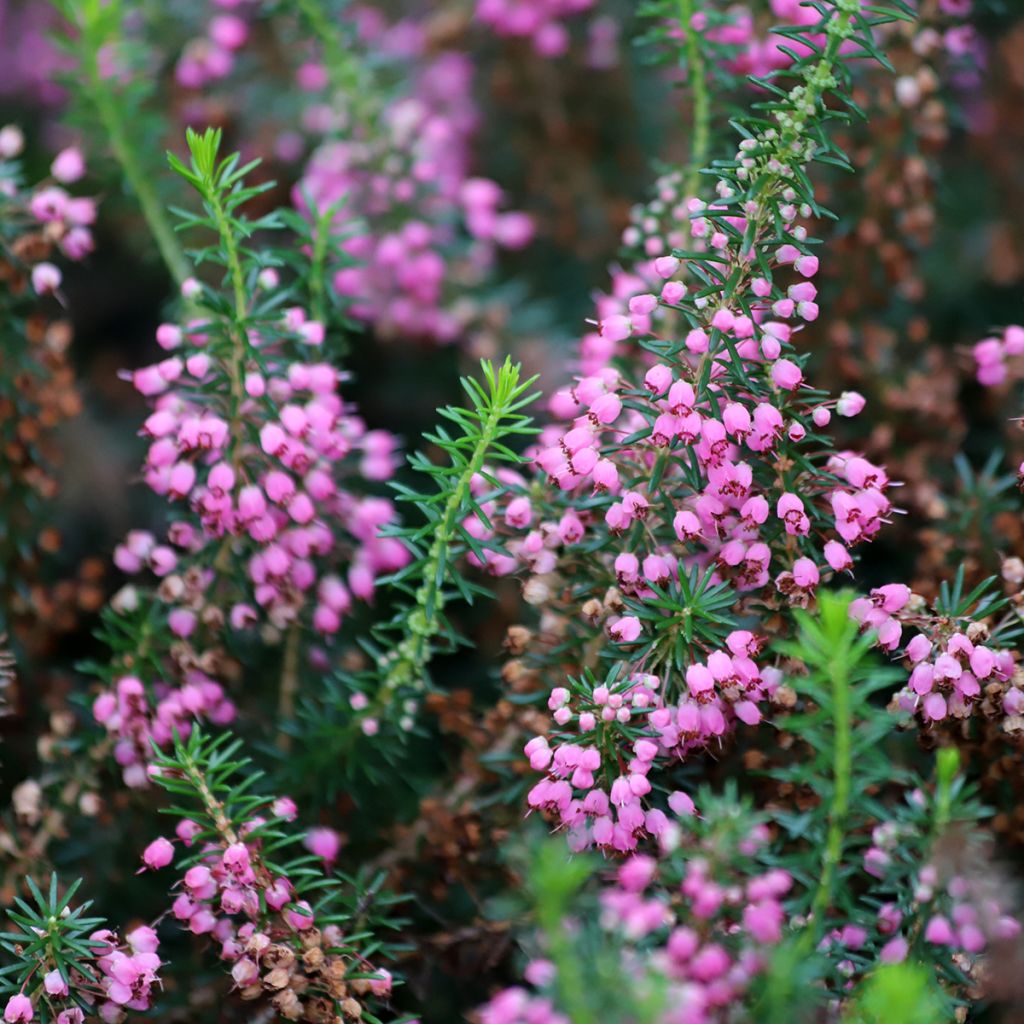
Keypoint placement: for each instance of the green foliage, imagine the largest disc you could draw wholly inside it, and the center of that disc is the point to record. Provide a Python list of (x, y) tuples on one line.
[(851, 763), (778, 139), (220, 183), (689, 615), (588, 960), (403, 647), (48, 931), (218, 788), (483, 432), (111, 87), (897, 992), (845, 758)]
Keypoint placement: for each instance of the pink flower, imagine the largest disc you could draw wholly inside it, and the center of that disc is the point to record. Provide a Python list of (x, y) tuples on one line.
[(681, 804), (46, 278), (666, 266), (939, 931), (68, 165), (786, 374), (805, 573), (934, 707), (894, 951), (616, 328), (245, 972), (158, 854), (300, 915), (624, 630), (324, 842), (850, 403), (837, 556), (55, 984), (18, 1008)]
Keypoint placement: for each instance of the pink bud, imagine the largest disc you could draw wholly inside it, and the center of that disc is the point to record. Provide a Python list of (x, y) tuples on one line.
[(894, 951), (722, 320), (46, 278), (158, 854), (615, 328), (837, 556), (324, 842), (786, 374), (850, 403), (68, 165), (939, 931), (807, 265), (666, 266), (55, 984), (625, 630), (681, 804)]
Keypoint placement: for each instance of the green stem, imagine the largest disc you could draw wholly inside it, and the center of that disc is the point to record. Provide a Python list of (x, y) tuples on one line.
[(231, 251), (213, 807), (112, 118), (569, 980), (318, 265), (346, 71), (947, 763), (815, 83), (236, 361), (289, 685), (697, 75), (424, 621), (842, 774)]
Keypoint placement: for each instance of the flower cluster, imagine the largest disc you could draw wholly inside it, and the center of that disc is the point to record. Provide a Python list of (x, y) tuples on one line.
[(135, 725), (41, 226), (125, 973), (71, 968), (267, 467), (274, 490), (691, 479), (604, 801), (992, 355), (958, 667), (681, 528), (539, 21), (211, 57), (697, 933), (959, 914), (429, 229), (749, 48), (255, 909)]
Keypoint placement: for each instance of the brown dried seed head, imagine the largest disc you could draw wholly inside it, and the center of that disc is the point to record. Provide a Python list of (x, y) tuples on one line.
[(977, 632), (276, 979), (517, 640), (287, 1004), (319, 1010), (351, 1009), (784, 697)]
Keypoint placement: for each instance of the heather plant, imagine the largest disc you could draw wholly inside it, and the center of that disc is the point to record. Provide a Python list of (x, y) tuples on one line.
[(68, 967), (278, 919), (701, 486), (43, 226), (455, 528), (772, 747), (775, 916)]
